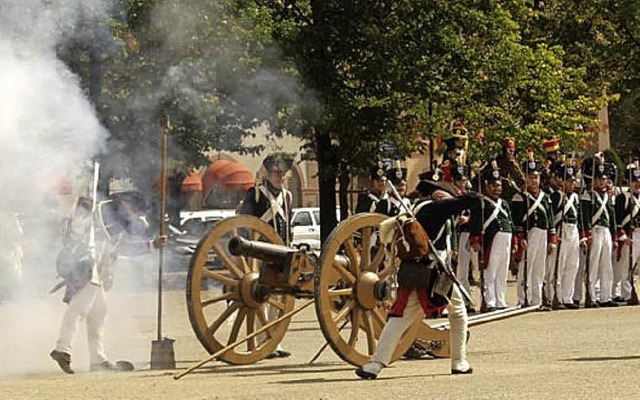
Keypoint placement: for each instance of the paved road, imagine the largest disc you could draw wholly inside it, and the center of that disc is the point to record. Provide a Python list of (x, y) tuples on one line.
[(562, 355)]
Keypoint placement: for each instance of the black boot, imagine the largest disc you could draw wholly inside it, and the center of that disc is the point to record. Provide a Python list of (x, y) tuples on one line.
[(63, 359)]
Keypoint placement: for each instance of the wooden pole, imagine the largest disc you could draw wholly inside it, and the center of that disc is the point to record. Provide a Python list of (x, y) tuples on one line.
[(239, 342), (164, 123)]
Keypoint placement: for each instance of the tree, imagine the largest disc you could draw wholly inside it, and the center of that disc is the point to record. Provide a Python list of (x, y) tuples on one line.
[(210, 66)]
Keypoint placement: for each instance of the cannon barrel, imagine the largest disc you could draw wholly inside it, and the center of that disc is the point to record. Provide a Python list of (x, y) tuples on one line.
[(271, 253)]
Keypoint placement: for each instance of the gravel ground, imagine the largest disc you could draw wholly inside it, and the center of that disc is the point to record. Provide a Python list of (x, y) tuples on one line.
[(562, 355)]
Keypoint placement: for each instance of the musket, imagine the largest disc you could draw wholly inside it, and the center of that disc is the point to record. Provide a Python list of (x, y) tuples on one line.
[(481, 266), (555, 303), (525, 285), (633, 300)]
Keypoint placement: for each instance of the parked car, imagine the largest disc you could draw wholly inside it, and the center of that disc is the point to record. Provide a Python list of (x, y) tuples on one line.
[(305, 226), (183, 239)]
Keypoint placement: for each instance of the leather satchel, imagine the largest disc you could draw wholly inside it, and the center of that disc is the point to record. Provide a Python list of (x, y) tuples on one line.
[(412, 241)]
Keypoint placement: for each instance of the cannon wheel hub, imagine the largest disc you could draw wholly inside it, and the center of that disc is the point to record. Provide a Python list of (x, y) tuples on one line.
[(366, 290), (249, 291)]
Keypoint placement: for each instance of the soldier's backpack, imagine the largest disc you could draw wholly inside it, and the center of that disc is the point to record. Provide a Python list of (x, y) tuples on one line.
[(412, 241)]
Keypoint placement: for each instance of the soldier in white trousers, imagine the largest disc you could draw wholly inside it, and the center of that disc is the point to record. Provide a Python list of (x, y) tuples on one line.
[(568, 221), (535, 235), (600, 226), (467, 259), (627, 209), (117, 222), (491, 237), (432, 215)]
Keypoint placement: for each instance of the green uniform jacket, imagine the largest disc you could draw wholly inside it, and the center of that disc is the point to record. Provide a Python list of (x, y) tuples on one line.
[(533, 212), (627, 209), (591, 204), (562, 213)]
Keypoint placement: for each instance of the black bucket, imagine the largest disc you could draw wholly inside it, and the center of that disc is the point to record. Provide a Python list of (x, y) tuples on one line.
[(162, 354)]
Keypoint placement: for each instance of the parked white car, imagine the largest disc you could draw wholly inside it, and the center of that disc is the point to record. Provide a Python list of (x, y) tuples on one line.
[(305, 225)]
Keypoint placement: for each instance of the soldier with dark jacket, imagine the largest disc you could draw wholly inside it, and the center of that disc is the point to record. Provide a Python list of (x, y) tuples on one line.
[(568, 222), (535, 235), (367, 203), (598, 215), (272, 202), (391, 205), (491, 230), (627, 208), (432, 212)]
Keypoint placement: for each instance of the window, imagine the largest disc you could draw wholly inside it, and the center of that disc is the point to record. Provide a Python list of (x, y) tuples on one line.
[(302, 219), (316, 215)]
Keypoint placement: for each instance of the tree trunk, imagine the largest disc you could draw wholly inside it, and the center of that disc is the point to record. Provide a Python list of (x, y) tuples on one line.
[(327, 185)]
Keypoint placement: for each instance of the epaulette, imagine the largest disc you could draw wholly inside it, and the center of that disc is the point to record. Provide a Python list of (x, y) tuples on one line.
[(586, 196)]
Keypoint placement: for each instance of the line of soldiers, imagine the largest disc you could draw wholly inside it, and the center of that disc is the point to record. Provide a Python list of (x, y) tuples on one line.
[(561, 225)]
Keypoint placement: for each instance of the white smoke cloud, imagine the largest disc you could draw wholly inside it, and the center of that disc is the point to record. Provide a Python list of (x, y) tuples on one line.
[(48, 130)]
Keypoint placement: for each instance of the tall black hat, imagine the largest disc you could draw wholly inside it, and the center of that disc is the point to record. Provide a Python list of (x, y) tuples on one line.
[(378, 171), (613, 171), (491, 173), (278, 162), (565, 172), (633, 171), (435, 175), (532, 167), (397, 175), (603, 171)]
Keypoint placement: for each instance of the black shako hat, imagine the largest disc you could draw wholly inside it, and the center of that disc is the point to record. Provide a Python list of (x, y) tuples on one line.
[(565, 172), (532, 167), (378, 171), (396, 175)]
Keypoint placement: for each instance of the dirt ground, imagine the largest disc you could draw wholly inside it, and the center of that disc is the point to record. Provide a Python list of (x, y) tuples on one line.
[(562, 355)]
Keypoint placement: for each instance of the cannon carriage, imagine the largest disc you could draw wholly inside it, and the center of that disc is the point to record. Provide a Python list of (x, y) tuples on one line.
[(351, 283), (242, 310)]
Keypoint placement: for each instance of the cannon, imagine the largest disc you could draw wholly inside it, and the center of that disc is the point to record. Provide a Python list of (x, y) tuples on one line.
[(254, 282)]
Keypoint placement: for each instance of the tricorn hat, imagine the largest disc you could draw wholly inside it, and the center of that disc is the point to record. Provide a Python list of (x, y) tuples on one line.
[(278, 162), (431, 181)]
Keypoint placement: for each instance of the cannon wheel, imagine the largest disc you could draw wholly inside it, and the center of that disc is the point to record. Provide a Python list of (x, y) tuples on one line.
[(350, 315), (220, 301)]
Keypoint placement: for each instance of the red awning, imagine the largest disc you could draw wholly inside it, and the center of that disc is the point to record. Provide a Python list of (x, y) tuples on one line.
[(228, 174), (192, 183), (238, 180)]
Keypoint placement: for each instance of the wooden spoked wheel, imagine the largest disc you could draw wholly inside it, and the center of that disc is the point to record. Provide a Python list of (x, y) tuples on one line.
[(223, 301), (350, 281)]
